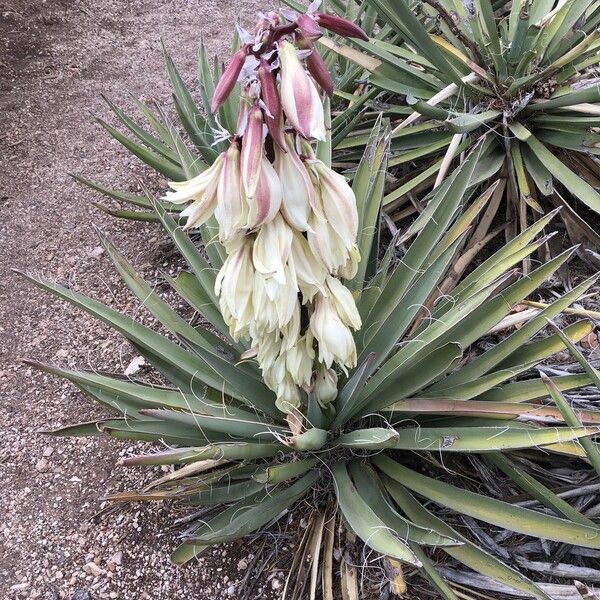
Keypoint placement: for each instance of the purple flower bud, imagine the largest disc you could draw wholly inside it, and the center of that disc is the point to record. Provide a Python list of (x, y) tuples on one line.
[(316, 65), (309, 27), (270, 96), (228, 79), (341, 26)]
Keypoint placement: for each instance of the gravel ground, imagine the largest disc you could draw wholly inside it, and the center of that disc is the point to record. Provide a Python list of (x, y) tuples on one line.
[(58, 57)]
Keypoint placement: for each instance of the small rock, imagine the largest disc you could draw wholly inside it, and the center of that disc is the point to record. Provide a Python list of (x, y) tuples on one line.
[(48, 450), (93, 569), (117, 558), (231, 590), (42, 465), (81, 595), (19, 587), (242, 565), (275, 584), (97, 251), (135, 365)]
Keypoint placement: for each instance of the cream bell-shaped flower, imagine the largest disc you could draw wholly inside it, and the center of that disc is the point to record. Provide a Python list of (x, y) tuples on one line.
[(299, 95), (350, 268), (274, 304), (194, 189), (343, 301), (232, 208), (325, 386), (299, 198), (272, 249), (327, 245), (338, 202), (291, 330), (288, 395), (334, 338), (309, 270), (269, 349), (299, 360), (267, 197), (234, 286)]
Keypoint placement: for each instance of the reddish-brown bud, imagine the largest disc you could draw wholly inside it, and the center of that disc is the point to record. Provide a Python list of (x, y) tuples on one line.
[(341, 26), (318, 69), (309, 27), (228, 79), (270, 96)]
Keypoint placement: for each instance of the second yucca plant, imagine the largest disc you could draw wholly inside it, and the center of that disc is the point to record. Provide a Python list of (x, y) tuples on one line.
[(523, 75)]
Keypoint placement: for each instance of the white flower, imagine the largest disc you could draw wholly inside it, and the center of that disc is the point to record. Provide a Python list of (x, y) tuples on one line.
[(334, 338), (326, 382), (343, 301), (299, 196), (232, 209), (299, 96), (299, 360)]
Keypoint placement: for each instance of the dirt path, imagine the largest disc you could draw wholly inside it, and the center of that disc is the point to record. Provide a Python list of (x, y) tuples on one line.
[(57, 58)]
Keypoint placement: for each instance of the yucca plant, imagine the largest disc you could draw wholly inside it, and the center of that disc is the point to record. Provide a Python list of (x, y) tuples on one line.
[(521, 75), (386, 450)]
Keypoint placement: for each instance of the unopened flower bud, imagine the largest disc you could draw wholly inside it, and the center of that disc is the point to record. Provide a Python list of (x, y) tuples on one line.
[(252, 151), (270, 96), (309, 26), (318, 69), (326, 386), (341, 26), (228, 79), (316, 65), (299, 96)]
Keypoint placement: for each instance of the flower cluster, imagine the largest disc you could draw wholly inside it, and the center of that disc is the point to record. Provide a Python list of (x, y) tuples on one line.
[(287, 221)]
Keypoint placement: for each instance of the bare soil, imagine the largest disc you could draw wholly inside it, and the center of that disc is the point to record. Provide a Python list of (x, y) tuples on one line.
[(57, 58)]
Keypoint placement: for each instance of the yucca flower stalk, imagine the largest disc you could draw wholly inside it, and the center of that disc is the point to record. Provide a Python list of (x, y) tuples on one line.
[(274, 278), (521, 75)]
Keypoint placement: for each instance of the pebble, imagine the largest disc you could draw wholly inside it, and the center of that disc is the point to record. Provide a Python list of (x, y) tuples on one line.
[(242, 565), (93, 569), (42, 465), (97, 252)]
